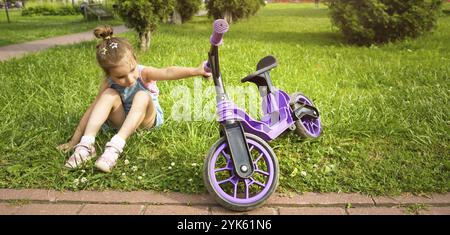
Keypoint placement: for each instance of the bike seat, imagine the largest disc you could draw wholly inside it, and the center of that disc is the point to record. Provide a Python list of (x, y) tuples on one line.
[(261, 77)]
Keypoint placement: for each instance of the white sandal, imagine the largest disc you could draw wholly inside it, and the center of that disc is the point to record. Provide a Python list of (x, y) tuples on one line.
[(83, 153), (109, 158)]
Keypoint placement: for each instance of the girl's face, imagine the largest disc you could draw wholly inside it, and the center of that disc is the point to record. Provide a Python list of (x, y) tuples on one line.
[(125, 74)]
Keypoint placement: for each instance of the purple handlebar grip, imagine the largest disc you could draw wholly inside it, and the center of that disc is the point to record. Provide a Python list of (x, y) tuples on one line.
[(206, 67), (220, 27)]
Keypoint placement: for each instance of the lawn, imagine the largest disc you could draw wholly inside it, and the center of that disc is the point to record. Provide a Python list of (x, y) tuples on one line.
[(384, 109), (28, 28)]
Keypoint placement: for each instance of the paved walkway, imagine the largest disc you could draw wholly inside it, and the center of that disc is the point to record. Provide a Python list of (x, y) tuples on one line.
[(19, 50), (43, 202)]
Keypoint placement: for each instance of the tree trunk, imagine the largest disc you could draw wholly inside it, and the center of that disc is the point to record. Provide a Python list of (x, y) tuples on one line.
[(176, 17), (6, 9), (228, 17), (144, 40)]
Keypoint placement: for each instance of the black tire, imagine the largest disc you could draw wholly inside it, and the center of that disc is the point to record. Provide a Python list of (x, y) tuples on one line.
[(224, 202), (299, 128)]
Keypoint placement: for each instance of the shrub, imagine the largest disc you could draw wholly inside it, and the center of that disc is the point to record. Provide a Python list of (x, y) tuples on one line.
[(233, 10), (365, 22), (144, 16), (186, 8), (47, 10)]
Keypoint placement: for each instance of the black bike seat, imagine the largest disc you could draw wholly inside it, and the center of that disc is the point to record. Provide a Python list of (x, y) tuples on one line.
[(265, 64)]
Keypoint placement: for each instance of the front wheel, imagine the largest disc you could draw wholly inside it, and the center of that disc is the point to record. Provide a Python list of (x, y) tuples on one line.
[(228, 188), (306, 127)]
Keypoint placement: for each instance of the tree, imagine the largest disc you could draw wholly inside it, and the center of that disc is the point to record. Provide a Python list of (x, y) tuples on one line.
[(378, 21), (144, 16), (233, 10), (6, 10), (184, 10)]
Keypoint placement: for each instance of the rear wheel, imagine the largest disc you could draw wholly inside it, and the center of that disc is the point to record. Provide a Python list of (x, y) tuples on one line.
[(306, 127)]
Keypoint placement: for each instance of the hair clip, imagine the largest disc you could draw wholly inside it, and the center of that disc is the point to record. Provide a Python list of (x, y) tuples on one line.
[(114, 45), (104, 50)]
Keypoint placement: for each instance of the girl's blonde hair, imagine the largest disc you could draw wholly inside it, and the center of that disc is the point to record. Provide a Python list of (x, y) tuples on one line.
[(111, 51)]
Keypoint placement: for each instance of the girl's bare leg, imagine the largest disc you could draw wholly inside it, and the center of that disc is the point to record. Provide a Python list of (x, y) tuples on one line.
[(142, 113), (109, 105)]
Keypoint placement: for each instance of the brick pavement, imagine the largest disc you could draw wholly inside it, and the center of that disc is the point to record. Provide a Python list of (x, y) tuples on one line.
[(45, 202)]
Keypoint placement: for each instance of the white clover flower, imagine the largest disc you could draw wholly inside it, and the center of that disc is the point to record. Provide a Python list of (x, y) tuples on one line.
[(134, 168), (170, 168), (172, 164), (127, 162), (143, 174), (139, 177), (83, 180), (303, 173), (194, 164), (190, 180), (76, 181), (123, 174), (83, 171)]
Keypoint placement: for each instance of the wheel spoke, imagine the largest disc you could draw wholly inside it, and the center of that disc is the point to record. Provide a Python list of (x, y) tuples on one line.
[(304, 124), (222, 169), (251, 148), (312, 127), (235, 189), (246, 189), (257, 159), (224, 181), (308, 126), (260, 184), (226, 155), (262, 172)]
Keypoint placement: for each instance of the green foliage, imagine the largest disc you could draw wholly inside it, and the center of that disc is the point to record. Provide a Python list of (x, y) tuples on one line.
[(48, 10), (187, 8), (144, 15), (237, 8), (378, 21)]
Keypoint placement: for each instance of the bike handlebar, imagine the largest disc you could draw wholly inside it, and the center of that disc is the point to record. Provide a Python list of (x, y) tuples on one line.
[(220, 27), (206, 67)]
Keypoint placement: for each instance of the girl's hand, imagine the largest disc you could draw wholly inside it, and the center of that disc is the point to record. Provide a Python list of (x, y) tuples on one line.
[(201, 71), (66, 147)]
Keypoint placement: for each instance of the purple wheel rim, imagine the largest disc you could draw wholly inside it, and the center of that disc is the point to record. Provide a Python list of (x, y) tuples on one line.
[(311, 125), (263, 154)]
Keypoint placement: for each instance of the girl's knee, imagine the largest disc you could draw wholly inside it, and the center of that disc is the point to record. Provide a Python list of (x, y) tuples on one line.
[(110, 93), (142, 97)]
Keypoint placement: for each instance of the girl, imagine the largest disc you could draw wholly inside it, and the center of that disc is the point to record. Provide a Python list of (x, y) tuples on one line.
[(127, 100)]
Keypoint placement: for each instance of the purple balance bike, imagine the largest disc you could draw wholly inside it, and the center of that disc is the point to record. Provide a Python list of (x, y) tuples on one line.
[(241, 169)]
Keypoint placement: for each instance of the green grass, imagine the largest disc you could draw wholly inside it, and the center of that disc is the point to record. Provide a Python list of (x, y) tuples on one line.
[(29, 28), (384, 109)]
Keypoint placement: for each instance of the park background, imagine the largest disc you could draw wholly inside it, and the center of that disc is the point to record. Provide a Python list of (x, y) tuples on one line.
[(384, 107)]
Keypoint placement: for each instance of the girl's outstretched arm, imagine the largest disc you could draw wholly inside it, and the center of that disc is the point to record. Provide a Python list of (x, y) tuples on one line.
[(83, 122), (173, 73)]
